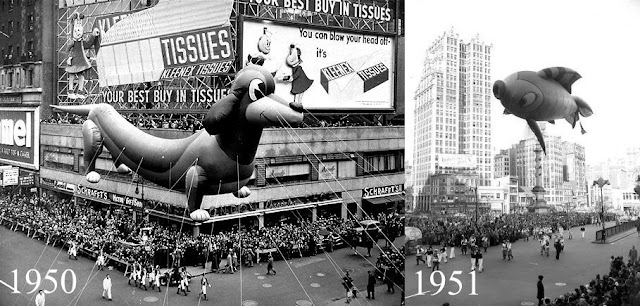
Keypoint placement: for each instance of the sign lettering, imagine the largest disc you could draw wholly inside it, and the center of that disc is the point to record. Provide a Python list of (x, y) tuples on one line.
[(381, 191), (209, 45), (19, 136), (334, 7), (92, 193)]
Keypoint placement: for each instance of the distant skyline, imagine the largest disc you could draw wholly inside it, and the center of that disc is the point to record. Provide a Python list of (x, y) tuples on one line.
[(600, 40)]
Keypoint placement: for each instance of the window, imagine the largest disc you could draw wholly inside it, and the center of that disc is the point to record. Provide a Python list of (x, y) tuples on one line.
[(29, 78), (9, 79), (31, 22)]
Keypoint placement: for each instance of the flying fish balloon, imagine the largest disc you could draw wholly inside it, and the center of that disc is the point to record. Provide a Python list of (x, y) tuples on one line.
[(542, 96)]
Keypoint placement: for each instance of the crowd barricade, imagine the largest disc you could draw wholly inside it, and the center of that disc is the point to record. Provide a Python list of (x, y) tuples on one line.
[(92, 254), (265, 253), (617, 229)]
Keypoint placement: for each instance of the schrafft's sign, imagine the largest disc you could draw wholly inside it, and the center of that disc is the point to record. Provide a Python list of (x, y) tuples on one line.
[(335, 7), (19, 136), (92, 193), (105, 196), (372, 192), (325, 70), (154, 44)]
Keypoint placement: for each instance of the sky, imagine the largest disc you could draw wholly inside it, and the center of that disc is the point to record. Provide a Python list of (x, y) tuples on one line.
[(598, 39)]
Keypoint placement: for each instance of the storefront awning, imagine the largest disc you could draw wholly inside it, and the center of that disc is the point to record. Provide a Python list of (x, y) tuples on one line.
[(234, 216), (383, 200), (285, 208), (330, 202), (164, 215)]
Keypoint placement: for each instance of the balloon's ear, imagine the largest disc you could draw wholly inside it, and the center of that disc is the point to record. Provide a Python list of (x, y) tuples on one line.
[(219, 115)]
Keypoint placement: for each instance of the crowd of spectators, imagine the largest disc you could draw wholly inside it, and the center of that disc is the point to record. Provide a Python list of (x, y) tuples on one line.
[(115, 233), (343, 122), (142, 123), (620, 287), (450, 230), (195, 124)]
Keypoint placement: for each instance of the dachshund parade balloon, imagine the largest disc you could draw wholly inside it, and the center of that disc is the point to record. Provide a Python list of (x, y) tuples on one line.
[(218, 159), (542, 96)]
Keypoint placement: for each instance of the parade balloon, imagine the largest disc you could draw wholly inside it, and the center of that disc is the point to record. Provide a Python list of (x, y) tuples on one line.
[(218, 159), (542, 96)]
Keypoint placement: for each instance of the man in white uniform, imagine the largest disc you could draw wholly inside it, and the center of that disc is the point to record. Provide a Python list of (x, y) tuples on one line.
[(40, 298), (204, 282), (73, 251), (157, 278), (106, 286), (100, 261)]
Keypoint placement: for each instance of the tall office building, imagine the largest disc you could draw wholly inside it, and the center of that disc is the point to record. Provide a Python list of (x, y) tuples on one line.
[(502, 164), (453, 109)]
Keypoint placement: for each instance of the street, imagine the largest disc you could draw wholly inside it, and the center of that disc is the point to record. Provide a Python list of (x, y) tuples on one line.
[(300, 282), (514, 282)]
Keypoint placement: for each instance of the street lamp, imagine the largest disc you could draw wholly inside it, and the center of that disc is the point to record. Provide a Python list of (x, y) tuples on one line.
[(475, 191), (601, 183)]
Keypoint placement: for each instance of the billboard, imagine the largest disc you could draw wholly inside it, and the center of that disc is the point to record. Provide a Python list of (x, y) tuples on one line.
[(20, 136), (325, 70), (162, 43), (466, 161)]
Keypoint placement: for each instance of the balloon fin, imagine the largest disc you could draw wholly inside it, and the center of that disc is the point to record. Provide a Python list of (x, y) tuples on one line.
[(536, 130), (572, 119), (565, 76), (552, 121), (583, 107), (582, 129)]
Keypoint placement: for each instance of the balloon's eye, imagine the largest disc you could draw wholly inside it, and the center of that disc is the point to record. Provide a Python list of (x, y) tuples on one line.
[(256, 89), (527, 99)]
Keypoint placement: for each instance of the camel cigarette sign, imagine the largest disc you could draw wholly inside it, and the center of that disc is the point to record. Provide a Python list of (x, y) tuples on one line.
[(19, 136)]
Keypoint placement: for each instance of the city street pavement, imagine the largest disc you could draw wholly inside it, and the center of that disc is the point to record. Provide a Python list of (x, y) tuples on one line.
[(302, 281), (514, 282)]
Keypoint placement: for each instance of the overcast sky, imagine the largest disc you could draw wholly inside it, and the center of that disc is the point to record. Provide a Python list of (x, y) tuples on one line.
[(598, 39)]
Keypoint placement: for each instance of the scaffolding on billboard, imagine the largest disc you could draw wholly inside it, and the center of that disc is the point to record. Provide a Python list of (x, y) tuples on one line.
[(189, 110)]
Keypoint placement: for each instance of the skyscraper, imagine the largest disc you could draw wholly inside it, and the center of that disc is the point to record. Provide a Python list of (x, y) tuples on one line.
[(453, 108)]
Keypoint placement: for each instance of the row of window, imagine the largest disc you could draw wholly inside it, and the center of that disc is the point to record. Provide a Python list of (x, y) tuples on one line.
[(17, 77), (9, 5), (12, 53), (14, 27)]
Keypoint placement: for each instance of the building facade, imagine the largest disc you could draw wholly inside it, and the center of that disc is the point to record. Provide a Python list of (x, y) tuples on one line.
[(26, 86), (563, 169), (337, 164), (502, 164), (452, 109)]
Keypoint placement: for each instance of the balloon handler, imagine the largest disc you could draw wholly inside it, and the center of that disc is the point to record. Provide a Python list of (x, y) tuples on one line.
[(77, 62), (217, 159)]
